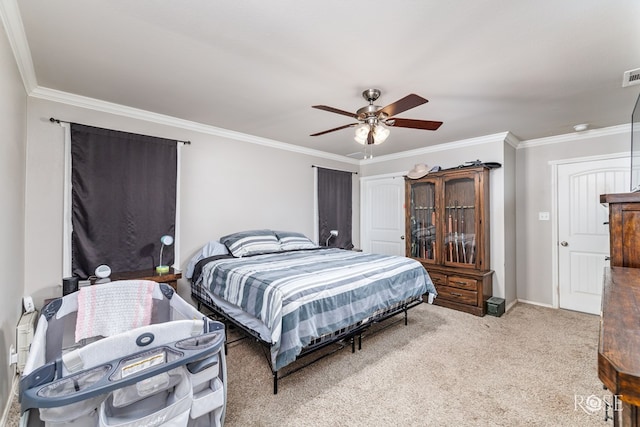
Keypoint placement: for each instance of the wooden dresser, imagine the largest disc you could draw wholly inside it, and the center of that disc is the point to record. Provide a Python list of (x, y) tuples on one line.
[(619, 340), (624, 228)]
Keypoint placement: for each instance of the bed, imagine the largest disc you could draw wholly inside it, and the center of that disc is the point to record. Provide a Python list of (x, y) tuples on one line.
[(295, 297)]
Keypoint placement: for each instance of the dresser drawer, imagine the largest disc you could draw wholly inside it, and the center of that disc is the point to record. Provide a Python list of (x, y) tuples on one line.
[(459, 295), (462, 283), (438, 279)]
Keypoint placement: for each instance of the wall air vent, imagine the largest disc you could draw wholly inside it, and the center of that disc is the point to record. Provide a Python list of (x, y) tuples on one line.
[(631, 77)]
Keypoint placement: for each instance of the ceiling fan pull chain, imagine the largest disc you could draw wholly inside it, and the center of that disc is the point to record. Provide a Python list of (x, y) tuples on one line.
[(368, 151)]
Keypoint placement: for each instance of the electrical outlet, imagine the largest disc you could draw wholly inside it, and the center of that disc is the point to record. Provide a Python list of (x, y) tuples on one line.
[(13, 356), (543, 216)]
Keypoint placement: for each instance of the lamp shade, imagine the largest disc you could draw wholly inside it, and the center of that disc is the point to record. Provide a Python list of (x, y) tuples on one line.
[(362, 132), (380, 133)]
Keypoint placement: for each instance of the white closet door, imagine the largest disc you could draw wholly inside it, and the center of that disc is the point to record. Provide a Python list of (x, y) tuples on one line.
[(583, 232), (383, 215)]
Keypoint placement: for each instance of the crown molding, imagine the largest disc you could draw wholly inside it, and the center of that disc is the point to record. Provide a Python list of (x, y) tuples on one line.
[(576, 136), (135, 113), (12, 21), (496, 137), (512, 140), (80, 101)]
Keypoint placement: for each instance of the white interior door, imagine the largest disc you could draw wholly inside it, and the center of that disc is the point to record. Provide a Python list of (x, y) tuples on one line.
[(583, 232), (382, 215)]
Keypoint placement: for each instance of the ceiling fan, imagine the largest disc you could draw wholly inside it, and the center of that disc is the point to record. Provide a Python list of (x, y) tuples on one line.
[(373, 119)]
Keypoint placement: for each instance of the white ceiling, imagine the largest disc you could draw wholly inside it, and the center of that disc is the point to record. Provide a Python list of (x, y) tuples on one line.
[(531, 67)]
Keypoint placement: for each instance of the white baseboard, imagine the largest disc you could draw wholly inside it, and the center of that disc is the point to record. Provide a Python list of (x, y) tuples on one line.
[(524, 301), (510, 305)]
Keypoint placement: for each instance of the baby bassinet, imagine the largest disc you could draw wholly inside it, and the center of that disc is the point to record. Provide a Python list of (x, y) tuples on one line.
[(124, 353)]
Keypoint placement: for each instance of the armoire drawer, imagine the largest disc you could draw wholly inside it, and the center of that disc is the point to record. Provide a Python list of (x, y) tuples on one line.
[(462, 283), (458, 295), (438, 279)]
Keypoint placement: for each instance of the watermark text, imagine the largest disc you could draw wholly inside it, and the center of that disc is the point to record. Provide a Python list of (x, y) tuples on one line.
[(597, 404)]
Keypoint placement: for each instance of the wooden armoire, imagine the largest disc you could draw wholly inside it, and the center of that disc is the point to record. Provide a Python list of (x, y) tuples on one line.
[(447, 230)]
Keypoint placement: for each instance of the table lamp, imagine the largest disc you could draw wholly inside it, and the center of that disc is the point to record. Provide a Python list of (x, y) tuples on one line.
[(332, 233), (166, 240)]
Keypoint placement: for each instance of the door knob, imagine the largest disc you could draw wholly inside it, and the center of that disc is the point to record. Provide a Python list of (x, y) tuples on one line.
[(401, 237), (563, 243)]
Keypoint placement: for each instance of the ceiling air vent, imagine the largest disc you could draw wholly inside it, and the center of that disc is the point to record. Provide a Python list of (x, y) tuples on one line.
[(631, 77)]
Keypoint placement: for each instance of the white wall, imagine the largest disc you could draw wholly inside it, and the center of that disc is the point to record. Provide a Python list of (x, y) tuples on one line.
[(13, 103), (510, 223), (226, 185), (534, 194)]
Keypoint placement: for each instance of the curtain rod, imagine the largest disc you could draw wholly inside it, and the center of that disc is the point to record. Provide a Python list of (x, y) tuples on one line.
[(316, 166), (54, 120)]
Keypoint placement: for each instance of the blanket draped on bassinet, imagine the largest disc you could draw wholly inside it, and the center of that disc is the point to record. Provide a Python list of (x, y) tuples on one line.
[(111, 308)]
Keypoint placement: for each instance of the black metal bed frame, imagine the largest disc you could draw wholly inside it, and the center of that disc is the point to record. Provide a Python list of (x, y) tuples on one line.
[(338, 338)]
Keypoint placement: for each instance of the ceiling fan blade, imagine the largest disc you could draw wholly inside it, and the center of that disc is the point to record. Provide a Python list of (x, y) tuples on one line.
[(404, 104), (334, 129), (415, 124), (334, 110)]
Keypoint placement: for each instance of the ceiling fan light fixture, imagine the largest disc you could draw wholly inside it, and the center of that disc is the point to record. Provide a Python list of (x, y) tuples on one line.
[(362, 132)]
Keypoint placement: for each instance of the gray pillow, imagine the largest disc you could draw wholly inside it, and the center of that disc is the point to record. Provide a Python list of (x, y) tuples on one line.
[(251, 242), (290, 241)]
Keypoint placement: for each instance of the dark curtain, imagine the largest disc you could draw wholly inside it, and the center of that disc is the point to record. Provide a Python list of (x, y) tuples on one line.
[(123, 199), (334, 207)]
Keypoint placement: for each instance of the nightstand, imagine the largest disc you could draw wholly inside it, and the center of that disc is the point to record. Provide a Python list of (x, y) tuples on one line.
[(169, 278)]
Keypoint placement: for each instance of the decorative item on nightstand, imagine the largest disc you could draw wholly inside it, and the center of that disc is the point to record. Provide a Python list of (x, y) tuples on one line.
[(332, 233), (102, 274), (166, 240)]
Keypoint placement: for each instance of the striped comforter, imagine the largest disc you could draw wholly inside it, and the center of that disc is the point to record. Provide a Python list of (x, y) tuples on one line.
[(301, 295)]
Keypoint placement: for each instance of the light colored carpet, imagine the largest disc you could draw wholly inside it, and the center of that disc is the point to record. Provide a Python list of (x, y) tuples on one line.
[(533, 366), (446, 368)]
